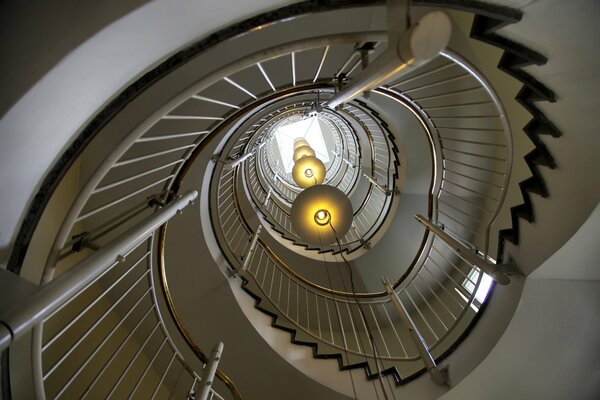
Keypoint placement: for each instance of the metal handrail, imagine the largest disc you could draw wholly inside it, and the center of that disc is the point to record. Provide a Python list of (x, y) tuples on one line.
[(368, 215), (180, 324), (99, 184), (257, 270), (504, 134), (414, 285), (75, 312)]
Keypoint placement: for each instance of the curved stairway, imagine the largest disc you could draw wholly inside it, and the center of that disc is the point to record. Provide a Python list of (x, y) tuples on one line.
[(125, 183), (274, 280)]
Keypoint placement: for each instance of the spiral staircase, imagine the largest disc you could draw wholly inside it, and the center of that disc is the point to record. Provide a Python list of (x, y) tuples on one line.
[(205, 120)]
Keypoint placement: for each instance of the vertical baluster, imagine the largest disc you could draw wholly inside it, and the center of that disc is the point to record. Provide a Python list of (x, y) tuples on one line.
[(341, 324), (308, 311), (297, 302), (139, 381), (443, 303), (354, 330), (164, 374), (329, 319), (421, 315), (393, 326), (280, 287), (430, 307), (273, 269), (102, 343), (379, 330), (318, 315), (437, 376)]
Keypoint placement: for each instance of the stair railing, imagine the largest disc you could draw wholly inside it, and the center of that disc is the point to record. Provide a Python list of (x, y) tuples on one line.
[(371, 211), (153, 157), (97, 330), (472, 139)]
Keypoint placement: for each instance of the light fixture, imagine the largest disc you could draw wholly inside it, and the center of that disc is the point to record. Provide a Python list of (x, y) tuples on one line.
[(299, 142), (303, 151), (320, 213), (406, 52), (308, 171), (322, 217)]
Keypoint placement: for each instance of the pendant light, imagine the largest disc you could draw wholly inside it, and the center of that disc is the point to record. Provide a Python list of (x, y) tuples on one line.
[(320, 213), (308, 171), (303, 151)]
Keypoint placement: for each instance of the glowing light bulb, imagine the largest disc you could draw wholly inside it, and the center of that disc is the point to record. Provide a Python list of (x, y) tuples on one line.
[(320, 213), (322, 217), (308, 171)]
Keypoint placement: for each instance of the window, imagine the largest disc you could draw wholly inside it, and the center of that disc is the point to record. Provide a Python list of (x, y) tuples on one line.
[(482, 291)]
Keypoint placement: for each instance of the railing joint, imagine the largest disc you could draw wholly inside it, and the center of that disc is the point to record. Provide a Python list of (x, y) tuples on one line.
[(464, 251), (437, 375), (209, 371), (156, 202), (83, 242)]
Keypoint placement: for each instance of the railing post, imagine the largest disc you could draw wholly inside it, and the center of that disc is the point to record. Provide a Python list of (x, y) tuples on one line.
[(385, 190), (430, 36), (19, 318), (209, 370), (363, 242), (251, 249), (493, 270), (267, 197), (344, 159), (238, 161), (234, 163), (436, 374), (192, 393)]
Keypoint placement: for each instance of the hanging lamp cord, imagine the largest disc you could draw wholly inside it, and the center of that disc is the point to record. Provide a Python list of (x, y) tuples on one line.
[(336, 310), (362, 313)]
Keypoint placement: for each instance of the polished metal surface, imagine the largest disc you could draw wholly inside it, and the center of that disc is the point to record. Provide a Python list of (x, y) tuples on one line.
[(108, 190)]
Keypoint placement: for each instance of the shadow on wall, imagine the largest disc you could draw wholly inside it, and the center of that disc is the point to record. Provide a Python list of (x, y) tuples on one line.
[(26, 25)]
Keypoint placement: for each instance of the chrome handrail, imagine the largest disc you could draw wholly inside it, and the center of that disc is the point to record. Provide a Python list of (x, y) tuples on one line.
[(368, 216), (100, 183), (79, 332), (435, 253)]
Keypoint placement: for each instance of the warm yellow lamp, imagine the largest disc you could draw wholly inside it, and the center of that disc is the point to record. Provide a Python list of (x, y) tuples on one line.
[(308, 171), (319, 213), (303, 151), (298, 142)]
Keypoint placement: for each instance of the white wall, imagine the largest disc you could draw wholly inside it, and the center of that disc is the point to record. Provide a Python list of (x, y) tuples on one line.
[(40, 125), (550, 350)]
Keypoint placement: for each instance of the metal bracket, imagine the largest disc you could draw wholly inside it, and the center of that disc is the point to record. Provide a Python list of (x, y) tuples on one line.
[(155, 201), (339, 81), (232, 272), (83, 242), (494, 270)]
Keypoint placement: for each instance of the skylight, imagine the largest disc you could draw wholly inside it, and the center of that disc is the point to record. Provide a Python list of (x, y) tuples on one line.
[(310, 130)]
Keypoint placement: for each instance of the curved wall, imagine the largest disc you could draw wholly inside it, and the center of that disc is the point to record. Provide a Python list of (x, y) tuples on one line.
[(85, 80)]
